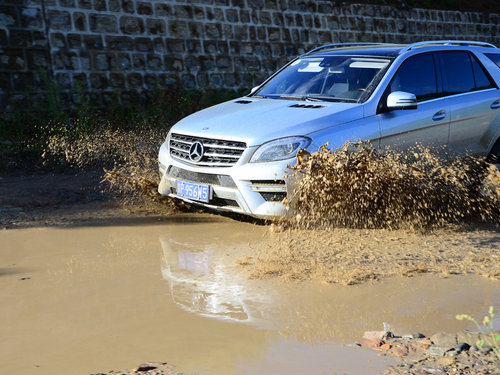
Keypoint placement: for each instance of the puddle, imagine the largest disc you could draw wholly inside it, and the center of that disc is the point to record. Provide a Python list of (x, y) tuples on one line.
[(91, 299)]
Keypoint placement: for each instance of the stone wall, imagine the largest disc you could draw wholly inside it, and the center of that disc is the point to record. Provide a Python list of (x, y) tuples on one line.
[(118, 47)]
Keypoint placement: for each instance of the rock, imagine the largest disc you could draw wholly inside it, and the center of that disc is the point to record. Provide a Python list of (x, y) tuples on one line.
[(373, 343), (432, 370), (485, 350), (385, 346), (380, 335), (446, 361), (399, 351), (461, 347), (438, 351), (444, 339), (424, 346), (144, 367)]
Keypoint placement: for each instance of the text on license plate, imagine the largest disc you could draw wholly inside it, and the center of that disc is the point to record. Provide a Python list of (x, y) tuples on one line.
[(197, 192)]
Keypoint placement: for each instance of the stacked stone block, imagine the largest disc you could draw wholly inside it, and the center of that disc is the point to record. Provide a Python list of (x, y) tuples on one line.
[(118, 47)]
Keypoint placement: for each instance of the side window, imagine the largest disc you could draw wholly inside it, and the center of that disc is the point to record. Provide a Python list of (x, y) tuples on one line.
[(480, 77), (495, 57), (417, 75), (457, 72)]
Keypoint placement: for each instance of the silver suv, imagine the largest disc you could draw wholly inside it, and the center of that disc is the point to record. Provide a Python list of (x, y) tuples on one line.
[(234, 156)]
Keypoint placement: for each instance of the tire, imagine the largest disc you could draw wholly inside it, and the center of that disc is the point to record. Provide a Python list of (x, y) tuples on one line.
[(494, 156)]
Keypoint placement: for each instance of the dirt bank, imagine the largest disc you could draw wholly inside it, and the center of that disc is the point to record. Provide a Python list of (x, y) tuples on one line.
[(70, 198), (442, 353)]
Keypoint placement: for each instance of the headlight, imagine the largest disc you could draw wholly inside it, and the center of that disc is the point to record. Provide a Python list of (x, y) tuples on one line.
[(280, 149)]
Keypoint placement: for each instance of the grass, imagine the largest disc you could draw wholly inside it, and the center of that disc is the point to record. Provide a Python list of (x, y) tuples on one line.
[(492, 337)]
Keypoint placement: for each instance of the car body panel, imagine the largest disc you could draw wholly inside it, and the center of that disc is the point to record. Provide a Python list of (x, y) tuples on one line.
[(363, 129), (426, 126), (472, 115), (267, 118)]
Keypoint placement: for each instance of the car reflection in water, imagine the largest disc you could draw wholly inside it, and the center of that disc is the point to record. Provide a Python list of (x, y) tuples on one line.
[(203, 281)]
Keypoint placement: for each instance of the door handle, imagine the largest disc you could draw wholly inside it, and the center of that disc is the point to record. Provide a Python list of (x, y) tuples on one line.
[(495, 104), (439, 115)]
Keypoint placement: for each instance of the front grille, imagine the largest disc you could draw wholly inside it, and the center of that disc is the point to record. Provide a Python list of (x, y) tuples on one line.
[(268, 182), (217, 152), (273, 197), (203, 178)]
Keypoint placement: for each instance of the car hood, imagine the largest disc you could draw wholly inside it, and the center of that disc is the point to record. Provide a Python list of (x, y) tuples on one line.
[(256, 121)]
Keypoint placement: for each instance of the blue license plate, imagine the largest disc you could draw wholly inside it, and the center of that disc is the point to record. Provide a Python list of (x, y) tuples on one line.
[(198, 192)]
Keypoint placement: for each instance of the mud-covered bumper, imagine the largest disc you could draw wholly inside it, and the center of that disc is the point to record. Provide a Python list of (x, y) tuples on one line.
[(255, 189)]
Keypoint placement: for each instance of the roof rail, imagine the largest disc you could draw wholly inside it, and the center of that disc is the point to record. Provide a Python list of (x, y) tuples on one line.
[(446, 42), (340, 45)]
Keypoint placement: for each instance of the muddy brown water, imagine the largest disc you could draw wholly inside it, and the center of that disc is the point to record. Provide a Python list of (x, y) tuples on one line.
[(91, 299)]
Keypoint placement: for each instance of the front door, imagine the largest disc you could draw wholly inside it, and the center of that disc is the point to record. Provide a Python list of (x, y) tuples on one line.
[(428, 125)]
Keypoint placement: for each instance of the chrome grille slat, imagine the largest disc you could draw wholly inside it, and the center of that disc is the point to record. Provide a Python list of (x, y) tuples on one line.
[(216, 164), (218, 152), (223, 147), (215, 154), (177, 148)]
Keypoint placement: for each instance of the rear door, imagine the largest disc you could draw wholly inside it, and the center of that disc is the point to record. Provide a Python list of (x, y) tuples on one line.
[(428, 125), (474, 102)]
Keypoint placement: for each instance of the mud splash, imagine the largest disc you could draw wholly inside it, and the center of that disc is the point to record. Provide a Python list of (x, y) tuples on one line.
[(360, 187), (360, 215), (349, 256), (129, 160)]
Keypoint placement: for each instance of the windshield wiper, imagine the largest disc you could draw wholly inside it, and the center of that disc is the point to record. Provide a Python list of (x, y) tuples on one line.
[(265, 97), (301, 97)]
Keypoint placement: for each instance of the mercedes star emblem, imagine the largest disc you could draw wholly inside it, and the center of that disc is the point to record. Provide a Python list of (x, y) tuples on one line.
[(196, 151)]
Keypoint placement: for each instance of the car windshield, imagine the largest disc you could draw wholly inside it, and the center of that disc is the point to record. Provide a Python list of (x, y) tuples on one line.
[(327, 78)]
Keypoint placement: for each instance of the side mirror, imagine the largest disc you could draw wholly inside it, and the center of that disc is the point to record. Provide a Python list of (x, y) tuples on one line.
[(254, 89), (401, 100)]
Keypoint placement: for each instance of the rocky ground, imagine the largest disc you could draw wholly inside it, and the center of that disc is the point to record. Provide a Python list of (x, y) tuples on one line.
[(442, 353), (152, 368)]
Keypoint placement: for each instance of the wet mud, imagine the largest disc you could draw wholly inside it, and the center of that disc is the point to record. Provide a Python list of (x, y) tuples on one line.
[(90, 299)]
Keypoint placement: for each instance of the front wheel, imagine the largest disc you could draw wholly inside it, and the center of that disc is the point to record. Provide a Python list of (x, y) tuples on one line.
[(494, 156)]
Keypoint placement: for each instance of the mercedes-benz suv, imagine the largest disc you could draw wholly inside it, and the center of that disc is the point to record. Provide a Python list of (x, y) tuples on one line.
[(234, 156)]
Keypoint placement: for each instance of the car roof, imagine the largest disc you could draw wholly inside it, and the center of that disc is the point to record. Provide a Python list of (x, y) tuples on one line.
[(382, 52), (393, 50)]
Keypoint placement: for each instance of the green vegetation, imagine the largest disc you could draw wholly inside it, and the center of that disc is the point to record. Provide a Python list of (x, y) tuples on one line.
[(492, 338), (25, 135)]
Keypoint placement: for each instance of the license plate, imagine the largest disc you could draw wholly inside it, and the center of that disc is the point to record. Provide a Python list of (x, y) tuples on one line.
[(198, 192)]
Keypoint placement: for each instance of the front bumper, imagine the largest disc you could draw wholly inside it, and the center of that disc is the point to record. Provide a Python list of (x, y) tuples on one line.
[(255, 189)]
